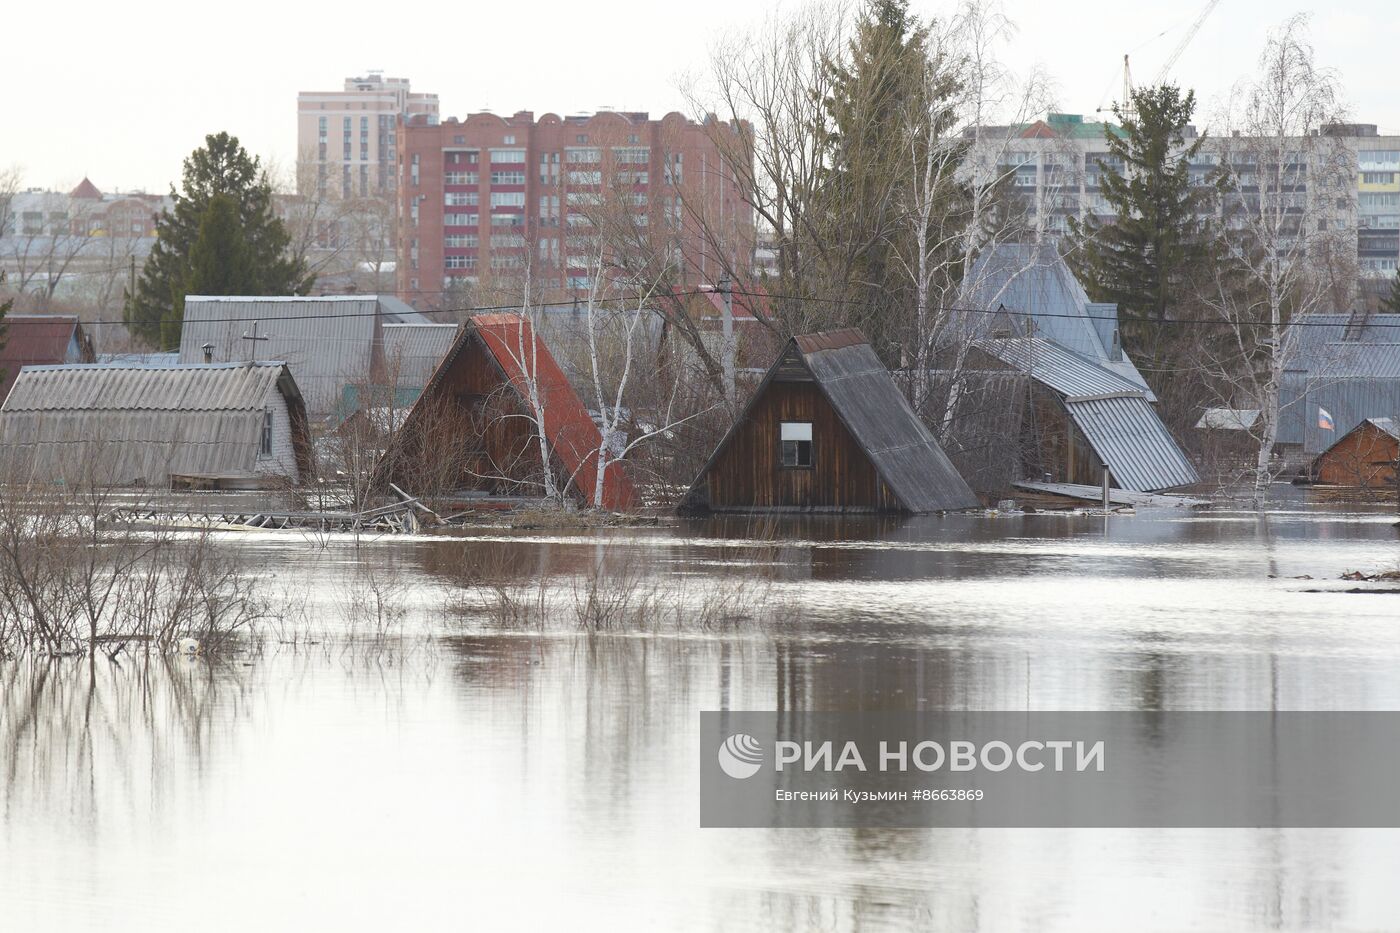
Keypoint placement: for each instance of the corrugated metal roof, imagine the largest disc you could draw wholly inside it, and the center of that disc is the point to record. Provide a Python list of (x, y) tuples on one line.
[(1133, 442), (1114, 415), (327, 341), (38, 340), (1349, 368), (413, 351), (95, 387), (1065, 372), (1031, 281), (133, 424)]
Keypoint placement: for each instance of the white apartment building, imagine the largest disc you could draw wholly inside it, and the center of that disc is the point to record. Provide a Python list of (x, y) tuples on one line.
[(347, 140), (1056, 163)]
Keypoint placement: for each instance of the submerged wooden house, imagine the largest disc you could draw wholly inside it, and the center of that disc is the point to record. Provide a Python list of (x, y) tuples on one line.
[(828, 430), (477, 426), (1366, 456), (132, 425)]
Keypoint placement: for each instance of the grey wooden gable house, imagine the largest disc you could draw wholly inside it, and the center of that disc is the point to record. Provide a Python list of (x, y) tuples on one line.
[(130, 425), (828, 430)]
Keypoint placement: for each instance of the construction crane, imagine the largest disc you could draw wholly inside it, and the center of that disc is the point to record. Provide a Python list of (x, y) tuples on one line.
[(1126, 102), (1185, 41)]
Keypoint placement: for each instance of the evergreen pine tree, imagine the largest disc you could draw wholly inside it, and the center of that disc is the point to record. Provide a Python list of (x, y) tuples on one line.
[(872, 92), (1141, 258), (221, 261), (262, 264)]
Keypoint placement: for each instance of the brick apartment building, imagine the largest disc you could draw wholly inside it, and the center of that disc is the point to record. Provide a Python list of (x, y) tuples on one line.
[(489, 198)]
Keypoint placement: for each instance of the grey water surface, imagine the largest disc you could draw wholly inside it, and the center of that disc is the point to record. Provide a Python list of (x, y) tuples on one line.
[(421, 765)]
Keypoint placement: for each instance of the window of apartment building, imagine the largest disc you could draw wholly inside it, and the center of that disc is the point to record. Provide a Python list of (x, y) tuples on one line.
[(507, 156), (507, 241), (582, 156), (345, 181), (507, 178), (581, 138), (507, 262), (577, 219), (634, 139), (634, 155), (413, 169), (1378, 178), (461, 199), (507, 199), (585, 178), (549, 250), (461, 220), (1373, 199), (632, 178), (549, 168), (459, 140), (459, 262), (584, 198), (462, 178), (508, 141), (460, 241), (364, 181), (674, 169), (413, 211), (580, 282), (507, 220), (549, 210), (321, 128), (1371, 159)]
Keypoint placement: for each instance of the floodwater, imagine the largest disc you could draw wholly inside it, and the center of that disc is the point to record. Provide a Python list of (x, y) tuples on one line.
[(416, 765)]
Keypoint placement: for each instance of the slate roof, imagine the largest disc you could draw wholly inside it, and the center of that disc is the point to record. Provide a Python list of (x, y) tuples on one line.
[(142, 423)]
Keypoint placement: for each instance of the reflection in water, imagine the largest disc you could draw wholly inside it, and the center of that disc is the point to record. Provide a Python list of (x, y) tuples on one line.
[(543, 778)]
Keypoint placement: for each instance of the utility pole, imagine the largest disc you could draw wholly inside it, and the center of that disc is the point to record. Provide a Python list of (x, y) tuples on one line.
[(727, 348), (253, 342)]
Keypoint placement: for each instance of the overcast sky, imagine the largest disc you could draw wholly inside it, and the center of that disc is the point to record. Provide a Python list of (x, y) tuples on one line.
[(123, 92)]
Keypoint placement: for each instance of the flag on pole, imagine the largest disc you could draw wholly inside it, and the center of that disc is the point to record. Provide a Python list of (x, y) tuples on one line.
[(1324, 419)]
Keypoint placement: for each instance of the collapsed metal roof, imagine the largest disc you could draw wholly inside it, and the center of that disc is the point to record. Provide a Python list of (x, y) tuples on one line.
[(1114, 416)]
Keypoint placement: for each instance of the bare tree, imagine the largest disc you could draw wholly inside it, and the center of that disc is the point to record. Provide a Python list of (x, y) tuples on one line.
[(1288, 192)]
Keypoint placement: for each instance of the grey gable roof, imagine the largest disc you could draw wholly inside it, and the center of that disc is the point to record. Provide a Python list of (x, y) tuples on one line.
[(327, 341), (1033, 282)]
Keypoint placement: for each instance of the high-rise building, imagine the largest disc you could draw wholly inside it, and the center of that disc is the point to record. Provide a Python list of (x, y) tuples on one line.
[(347, 140), (501, 197), (1055, 165)]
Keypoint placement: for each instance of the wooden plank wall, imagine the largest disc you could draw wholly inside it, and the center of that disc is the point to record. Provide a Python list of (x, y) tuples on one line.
[(1365, 457), (749, 474)]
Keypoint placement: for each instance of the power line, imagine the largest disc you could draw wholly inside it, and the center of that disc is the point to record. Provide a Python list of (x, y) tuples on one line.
[(564, 303)]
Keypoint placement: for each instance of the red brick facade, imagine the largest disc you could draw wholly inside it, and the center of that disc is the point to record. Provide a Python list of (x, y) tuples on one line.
[(487, 198)]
